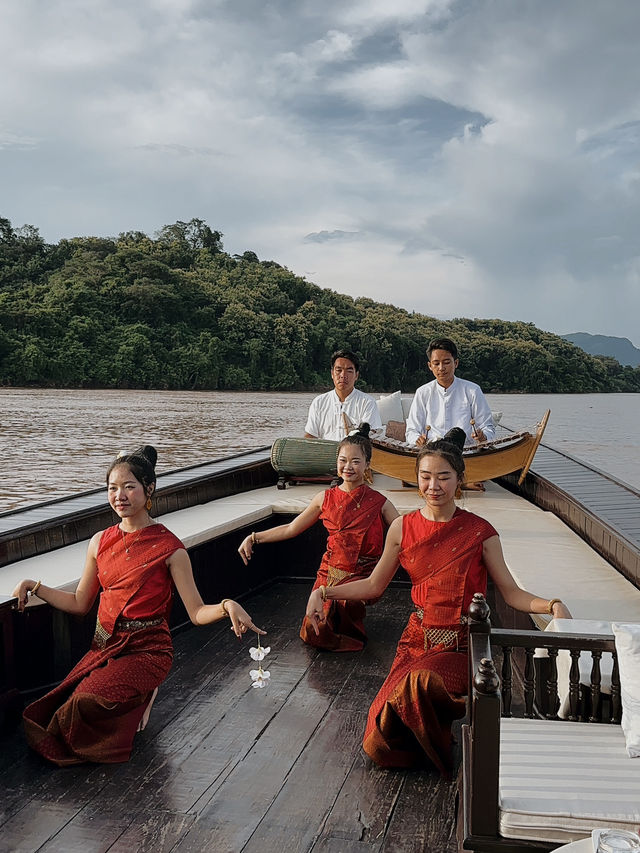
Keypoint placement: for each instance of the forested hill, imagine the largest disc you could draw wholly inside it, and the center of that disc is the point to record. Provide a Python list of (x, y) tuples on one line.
[(176, 311)]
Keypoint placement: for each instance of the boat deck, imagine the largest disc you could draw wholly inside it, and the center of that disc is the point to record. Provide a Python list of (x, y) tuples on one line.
[(223, 767)]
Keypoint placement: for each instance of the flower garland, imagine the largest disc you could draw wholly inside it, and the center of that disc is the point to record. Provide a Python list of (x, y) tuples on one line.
[(259, 676)]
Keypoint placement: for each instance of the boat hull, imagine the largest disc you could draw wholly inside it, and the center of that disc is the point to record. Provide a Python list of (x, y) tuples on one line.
[(484, 462)]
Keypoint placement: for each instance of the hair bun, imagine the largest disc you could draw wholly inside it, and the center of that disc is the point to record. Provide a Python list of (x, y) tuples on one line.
[(149, 453), (457, 437), (363, 429)]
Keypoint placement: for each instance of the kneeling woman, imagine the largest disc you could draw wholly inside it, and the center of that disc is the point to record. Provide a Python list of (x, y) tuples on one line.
[(94, 713), (447, 553), (355, 517)]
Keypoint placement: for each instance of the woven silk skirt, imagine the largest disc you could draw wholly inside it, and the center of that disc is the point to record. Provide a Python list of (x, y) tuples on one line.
[(93, 715)]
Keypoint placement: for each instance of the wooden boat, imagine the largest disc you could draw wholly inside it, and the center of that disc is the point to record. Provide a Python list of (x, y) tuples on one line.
[(484, 461), (221, 766)]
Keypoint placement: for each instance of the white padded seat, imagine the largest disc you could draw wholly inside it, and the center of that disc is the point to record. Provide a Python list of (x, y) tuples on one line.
[(561, 780), (548, 558)]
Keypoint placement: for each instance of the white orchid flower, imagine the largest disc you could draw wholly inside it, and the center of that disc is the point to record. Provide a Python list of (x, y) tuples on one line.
[(259, 653), (259, 677)]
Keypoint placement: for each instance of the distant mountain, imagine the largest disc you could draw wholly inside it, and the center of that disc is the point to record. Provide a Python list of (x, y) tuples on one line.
[(619, 348)]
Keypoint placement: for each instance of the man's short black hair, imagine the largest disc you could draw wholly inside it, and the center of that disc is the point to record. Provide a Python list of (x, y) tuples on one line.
[(346, 353), (442, 343)]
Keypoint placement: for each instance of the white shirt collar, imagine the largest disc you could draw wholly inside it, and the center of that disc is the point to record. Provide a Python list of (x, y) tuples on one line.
[(442, 390), (338, 402)]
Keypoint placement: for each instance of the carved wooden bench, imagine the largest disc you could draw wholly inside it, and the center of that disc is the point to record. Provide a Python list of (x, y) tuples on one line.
[(538, 781)]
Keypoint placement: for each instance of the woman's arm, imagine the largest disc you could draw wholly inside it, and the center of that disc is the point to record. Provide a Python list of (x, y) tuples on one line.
[(365, 589), (79, 602), (299, 524), (200, 613), (389, 513), (513, 594)]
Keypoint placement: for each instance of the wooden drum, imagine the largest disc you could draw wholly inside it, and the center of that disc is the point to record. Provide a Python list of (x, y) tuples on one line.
[(304, 457)]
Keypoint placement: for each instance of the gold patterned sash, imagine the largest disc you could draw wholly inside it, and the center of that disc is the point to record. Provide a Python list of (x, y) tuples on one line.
[(102, 636), (336, 576), (446, 637)]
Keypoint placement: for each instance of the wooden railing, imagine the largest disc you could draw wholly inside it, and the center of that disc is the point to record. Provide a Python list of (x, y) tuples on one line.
[(492, 697)]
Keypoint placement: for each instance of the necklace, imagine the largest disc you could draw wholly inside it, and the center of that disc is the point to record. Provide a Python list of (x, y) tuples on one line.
[(357, 503), (131, 544)]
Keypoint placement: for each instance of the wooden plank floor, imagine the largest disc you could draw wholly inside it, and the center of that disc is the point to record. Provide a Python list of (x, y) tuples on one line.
[(226, 768)]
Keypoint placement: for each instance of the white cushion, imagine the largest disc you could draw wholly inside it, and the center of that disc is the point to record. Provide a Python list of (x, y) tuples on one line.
[(561, 780), (406, 406), (627, 636), (390, 407)]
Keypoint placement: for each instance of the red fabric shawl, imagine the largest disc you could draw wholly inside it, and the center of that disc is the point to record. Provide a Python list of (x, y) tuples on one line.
[(135, 584), (354, 523)]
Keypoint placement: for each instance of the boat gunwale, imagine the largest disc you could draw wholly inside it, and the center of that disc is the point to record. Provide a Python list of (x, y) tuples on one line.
[(506, 442), (99, 490)]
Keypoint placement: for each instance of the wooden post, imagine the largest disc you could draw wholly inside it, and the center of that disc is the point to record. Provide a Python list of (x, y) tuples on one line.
[(485, 724)]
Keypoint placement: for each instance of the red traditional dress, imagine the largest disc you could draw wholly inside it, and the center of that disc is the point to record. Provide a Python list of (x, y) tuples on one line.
[(411, 716), (356, 537), (94, 713)]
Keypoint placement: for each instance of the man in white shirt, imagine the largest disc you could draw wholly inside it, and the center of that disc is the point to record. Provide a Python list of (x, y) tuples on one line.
[(448, 401), (334, 414)]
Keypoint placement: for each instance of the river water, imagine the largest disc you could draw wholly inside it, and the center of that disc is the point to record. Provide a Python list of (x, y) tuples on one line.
[(58, 442)]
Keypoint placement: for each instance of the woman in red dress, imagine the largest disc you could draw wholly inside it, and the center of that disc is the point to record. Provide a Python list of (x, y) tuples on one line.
[(94, 714), (355, 517), (447, 553)]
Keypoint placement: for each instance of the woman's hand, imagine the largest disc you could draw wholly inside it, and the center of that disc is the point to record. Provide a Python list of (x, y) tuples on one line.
[(246, 550), (240, 619), (315, 610), (560, 611), (20, 592)]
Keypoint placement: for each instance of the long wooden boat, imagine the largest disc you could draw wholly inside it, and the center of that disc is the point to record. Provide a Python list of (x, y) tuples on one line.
[(483, 461), (222, 767)]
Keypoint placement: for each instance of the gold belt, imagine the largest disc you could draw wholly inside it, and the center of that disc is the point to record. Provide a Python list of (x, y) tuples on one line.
[(441, 636), (101, 635), (334, 576)]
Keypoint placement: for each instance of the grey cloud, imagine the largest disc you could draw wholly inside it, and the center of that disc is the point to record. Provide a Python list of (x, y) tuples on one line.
[(483, 166), (327, 236), (15, 141), (180, 150)]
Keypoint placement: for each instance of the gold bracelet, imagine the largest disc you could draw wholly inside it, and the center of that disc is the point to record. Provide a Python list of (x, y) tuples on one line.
[(34, 590), (254, 540), (323, 592), (224, 609), (551, 603)]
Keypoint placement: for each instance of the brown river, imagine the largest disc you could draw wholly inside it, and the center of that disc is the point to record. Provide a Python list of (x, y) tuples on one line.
[(55, 443)]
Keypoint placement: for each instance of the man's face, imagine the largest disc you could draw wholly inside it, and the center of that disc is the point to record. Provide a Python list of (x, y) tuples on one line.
[(344, 375), (443, 366)]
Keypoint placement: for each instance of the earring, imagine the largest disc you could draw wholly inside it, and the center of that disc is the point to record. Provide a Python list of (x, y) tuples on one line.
[(148, 504)]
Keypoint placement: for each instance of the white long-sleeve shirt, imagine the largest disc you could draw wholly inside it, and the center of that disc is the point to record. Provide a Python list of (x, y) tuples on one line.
[(325, 414), (445, 408)]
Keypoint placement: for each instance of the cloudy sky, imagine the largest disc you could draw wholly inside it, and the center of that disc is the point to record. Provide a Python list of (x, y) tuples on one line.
[(475, 158)]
